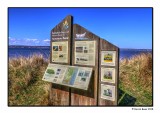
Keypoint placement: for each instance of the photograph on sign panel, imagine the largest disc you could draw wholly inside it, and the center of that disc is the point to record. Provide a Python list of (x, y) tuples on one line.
[(60, 52), (85, 49), (82, 60), (108, 75), (58, 71), (85, 52), (108, 58), (83, 77), (54, 73), (60, 48), (57, 75), (108, 92), (81, 73), (79, 49), (49, 73), (55, 48), (62, 57)]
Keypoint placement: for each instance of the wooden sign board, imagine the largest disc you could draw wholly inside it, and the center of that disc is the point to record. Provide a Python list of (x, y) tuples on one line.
[(85, 54), (79, 48), (61, 42), (60, 47), (72, 76), (109, 72)]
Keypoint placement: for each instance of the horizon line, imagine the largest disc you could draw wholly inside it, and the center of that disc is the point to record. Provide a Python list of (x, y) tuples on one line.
[(49, 45)]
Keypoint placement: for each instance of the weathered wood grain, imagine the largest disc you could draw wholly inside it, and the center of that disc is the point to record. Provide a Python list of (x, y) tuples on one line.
[(82, 97), (63, 95), (60, 95), (107, 46)]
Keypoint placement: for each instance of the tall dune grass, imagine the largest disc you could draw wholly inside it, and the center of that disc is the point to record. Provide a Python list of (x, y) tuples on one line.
[(27, 88), (25, 81), (136, 78)]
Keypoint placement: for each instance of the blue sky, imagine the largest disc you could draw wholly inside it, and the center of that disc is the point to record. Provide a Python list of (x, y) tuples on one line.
[(124, 27)]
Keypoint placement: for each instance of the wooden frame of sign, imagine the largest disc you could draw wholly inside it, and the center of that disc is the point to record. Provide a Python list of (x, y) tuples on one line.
[(85, 49), (82, 37), (110, 62), (61, 41)]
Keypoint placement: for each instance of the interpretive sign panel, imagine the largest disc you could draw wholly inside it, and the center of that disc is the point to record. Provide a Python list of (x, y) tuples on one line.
[(108, 58), (60, 51), (108, 75), (108, 92), (95, 82), (73, 76), (61, 42), (108, 71), (85, 52)]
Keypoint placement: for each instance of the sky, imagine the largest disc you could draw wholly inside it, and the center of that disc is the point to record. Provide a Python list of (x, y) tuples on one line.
[(123, 27)]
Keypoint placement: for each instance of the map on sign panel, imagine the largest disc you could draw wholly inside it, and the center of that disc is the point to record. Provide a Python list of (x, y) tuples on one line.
[(72, 76)]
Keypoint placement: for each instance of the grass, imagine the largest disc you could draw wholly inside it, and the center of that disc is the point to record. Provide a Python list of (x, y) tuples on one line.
[(136, 79), (25, 81), (26, 86)]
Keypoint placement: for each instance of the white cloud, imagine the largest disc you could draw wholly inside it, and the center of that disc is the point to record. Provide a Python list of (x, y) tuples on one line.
[(12, 41), (46, 40), (33, 40), (10, 38), (28, 41)]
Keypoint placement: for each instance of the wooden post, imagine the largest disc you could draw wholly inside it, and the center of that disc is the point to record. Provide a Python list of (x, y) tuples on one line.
[(61, 34)]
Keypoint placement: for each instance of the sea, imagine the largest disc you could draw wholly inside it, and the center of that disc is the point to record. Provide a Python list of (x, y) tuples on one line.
[(16, 51)]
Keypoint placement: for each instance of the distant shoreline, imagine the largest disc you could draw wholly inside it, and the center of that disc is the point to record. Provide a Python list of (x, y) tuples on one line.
[(19, 46), (23, 46)]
